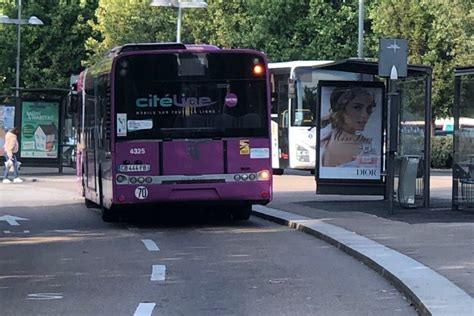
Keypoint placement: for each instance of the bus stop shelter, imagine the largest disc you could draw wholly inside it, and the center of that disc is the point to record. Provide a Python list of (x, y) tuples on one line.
[(40, 116), (413, 135), (463, 140)]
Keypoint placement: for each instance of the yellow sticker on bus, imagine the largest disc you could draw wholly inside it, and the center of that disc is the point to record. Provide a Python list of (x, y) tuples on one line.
[(244, 147)]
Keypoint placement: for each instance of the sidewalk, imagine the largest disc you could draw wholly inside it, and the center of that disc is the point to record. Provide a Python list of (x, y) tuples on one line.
[(427, 253), (439, 240)]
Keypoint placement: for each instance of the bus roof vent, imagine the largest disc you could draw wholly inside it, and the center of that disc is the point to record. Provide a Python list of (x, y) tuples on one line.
[(144, 47)]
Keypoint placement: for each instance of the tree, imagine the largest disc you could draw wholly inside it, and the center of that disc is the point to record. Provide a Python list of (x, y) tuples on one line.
[(283, 29), (134, 21), (440, 34), (49, 53)]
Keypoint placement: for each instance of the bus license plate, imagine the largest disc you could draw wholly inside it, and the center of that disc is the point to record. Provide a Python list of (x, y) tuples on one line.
[(134, 168)]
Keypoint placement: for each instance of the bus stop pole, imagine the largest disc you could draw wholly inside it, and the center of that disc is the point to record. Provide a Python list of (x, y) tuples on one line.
[(393, 102)]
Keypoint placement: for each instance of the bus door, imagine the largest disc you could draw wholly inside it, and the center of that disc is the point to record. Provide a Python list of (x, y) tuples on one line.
[(90, 135), (280, 119), (103, 155)]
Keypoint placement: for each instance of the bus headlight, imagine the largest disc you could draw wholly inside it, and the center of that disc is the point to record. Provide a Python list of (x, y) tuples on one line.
[(263, 175)]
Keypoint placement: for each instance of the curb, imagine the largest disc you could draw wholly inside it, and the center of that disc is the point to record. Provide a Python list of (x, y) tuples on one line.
[(430, 292)]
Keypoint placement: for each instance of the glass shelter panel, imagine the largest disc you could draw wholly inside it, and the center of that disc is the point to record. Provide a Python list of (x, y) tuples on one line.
[(411, 139), (463, 167)]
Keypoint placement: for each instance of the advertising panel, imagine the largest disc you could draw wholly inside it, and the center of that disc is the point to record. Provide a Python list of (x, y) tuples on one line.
[(350, 130), (39, 129), (7, 119)]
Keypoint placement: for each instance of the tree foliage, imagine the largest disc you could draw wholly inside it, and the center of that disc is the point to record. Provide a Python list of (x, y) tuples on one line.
[(440, 34), (77, 32), (49, 53), (120, 22)]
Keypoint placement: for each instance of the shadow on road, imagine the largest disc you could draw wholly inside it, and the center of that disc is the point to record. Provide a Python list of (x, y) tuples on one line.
[(439, 212)]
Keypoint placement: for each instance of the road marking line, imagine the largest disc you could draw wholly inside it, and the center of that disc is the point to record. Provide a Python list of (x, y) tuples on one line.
[(7, 231), (158, 272), (45, 296), (66, 231), (150, 245), (26, 231), (144, 309), (12, 220)]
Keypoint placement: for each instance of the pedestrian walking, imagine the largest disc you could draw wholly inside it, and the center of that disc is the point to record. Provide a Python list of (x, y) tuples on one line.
[(10, 150)]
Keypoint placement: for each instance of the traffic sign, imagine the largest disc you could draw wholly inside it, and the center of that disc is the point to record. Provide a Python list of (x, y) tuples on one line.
[(393, 55)]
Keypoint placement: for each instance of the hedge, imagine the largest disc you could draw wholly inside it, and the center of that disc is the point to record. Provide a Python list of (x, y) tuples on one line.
[(441, 152)]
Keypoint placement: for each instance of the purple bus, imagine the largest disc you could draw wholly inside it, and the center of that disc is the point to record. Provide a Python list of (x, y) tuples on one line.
[(173, 123)]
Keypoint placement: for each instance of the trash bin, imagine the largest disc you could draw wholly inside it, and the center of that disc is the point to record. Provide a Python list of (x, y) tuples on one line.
[(407, 180)]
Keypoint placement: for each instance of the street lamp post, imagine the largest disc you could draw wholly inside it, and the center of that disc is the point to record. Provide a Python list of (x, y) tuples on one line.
[(360, 45), (33, 20), (199, 4)]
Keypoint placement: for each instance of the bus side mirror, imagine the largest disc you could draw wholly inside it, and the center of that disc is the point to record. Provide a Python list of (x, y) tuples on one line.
[(273, 98), (291, 88), (73, 102)]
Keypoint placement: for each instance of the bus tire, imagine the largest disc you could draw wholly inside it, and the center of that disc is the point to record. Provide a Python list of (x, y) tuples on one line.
[(242, 212), (108, 215), (278, 172), (89, 203)]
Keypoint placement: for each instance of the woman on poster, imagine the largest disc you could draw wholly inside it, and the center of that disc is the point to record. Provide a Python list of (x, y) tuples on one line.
[(343, 143)]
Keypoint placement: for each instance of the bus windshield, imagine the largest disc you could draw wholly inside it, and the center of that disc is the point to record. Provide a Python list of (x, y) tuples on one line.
[(307, 78), (306, 93), (190, 95)]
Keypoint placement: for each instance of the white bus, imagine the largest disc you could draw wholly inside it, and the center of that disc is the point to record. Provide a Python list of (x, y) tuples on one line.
[(294, 99)]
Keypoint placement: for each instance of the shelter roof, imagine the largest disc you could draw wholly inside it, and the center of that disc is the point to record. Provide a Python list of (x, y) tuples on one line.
[(370, 67)]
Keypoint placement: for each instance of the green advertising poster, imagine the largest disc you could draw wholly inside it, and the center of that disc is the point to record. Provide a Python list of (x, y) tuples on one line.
[(39, 129)]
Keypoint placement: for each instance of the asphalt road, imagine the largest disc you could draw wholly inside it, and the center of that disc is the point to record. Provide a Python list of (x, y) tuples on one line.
[(61, 259)]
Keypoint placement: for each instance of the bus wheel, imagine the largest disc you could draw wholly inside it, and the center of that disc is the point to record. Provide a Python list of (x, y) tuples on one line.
[(242, 212), (108, 215), (89, 203), (278, 172)]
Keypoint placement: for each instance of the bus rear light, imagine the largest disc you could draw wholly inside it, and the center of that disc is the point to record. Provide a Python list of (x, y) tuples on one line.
[(257, 70), (263, 175), (237, 177), (141, 179), (121, 198), (148, 180), (252, 177), (121, 178), (264, 194), (133, 180)]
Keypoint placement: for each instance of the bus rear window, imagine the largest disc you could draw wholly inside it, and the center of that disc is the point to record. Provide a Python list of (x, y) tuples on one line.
[(190, 95)]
